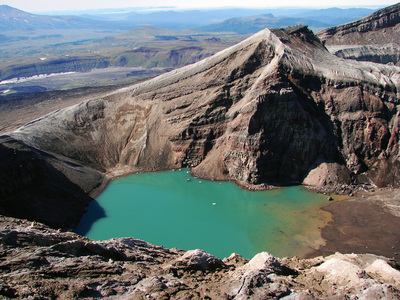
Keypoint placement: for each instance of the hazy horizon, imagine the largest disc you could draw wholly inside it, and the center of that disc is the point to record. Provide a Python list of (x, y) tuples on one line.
[(75, 5)]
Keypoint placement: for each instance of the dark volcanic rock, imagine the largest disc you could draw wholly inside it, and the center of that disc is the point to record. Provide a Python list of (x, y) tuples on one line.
[(373, 38), (42, 187), (276, 109)]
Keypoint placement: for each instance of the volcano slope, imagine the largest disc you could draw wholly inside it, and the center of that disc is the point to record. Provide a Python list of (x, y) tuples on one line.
[(276, 109)]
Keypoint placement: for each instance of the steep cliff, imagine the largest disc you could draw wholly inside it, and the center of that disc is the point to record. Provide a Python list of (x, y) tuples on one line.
[(42, 186), (373, 38), (276, 109)]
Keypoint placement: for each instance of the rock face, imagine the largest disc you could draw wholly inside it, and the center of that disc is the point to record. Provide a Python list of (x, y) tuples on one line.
[(373, 38), (41, 263), (276, 109), (43, 187)]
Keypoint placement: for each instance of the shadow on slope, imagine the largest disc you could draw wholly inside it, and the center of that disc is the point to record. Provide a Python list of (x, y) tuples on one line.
[(38, 186)]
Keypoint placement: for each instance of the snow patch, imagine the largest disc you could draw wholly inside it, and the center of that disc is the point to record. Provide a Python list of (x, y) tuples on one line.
[(36, 77)]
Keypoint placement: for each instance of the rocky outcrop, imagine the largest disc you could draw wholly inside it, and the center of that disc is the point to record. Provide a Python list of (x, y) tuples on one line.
[(39, 262), (373, 38), (387, 54), (276, 109)]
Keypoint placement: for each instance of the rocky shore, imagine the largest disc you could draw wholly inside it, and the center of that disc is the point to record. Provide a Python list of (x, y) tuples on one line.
[(367, 223), (38, 262)]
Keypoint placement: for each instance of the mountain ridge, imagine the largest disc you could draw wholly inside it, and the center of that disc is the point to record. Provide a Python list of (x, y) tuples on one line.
[(255, 23), (314, 19), (372, 38), (171, 19), (386, 17), (14, 19)]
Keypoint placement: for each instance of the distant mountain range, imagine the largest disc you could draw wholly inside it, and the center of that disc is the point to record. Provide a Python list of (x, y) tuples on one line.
[(316, 19), (15, 19), (237, 20), (256, 23)]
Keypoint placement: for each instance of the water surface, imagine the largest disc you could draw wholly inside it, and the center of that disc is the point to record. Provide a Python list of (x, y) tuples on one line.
[(218, 217)]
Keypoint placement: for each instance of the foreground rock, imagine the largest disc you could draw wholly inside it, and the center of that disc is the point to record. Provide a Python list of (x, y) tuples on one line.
[(373, 38), (38, 262)]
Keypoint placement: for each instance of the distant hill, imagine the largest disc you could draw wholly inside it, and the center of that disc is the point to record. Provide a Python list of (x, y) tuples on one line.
[(317, 19), (256, 23), (233, 19), (15, 19), (336, 16), (177, 19)]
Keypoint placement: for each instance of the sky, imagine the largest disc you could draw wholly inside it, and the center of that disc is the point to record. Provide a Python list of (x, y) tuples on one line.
[(57, 5)]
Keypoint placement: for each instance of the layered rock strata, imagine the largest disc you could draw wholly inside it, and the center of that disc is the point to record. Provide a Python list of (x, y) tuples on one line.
[(276, 109), (373, 38), (41, 263)]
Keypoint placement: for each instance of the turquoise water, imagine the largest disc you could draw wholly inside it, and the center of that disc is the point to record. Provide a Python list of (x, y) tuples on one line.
[(218, 217)]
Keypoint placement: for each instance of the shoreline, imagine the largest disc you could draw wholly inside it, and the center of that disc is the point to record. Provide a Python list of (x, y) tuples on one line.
[(367, 223)]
